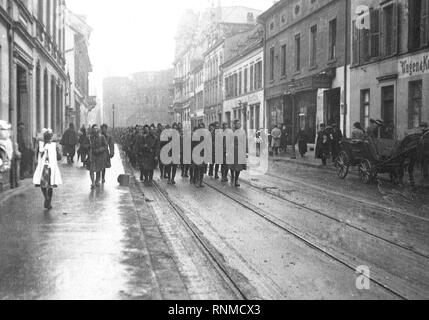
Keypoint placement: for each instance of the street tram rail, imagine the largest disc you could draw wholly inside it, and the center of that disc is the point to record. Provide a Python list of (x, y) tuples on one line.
[(349, 225), (202, 243), (361, 201), (309, 243)]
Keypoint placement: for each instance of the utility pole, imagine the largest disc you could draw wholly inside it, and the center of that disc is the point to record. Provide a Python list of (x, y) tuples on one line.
[(347, 60)]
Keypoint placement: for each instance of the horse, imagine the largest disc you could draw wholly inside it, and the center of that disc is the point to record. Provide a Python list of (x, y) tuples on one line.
[(413, 150)]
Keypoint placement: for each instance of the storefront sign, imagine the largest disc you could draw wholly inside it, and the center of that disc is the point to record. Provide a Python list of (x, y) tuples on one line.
[(414, 65)]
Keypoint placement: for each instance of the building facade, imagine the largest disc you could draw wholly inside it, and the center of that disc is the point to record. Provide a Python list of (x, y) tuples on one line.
[(33, 81), (197, 103), (390, 64), (213, 82), (198, 38), (79, 104), (141, 98), (307, 64), (243, 84)]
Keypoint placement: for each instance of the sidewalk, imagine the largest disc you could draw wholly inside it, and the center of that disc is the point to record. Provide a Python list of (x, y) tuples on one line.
[(90, 246), (310, 161)]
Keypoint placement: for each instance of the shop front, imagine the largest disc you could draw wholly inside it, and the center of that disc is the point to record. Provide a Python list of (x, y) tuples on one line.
[(295, 105)]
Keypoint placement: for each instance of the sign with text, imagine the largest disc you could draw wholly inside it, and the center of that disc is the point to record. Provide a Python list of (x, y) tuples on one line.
[(414, 65)]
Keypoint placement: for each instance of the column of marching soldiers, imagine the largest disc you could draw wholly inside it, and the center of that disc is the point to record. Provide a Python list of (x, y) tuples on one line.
[(142, 145)]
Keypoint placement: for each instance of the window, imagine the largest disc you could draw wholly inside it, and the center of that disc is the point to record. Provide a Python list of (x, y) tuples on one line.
[(240, 81), (251, 77), (283, 61), (375, 32), (255, 80), (235, 85), (415, 104), (313, 46), (259, 78), (418, 24), (365, 108), (297, 52), (388, 111), (272, 64), (389, 23), (245, 80), (332, 39)]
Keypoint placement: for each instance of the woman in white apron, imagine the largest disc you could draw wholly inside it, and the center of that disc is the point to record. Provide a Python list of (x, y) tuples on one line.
[(47, 175)]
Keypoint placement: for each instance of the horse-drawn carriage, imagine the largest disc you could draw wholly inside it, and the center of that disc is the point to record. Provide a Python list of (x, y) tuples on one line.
[(378, 156)]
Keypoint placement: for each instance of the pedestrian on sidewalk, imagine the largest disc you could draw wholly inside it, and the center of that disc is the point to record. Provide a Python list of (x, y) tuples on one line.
[(323, 145), (276, 135), (358, 134), (98, 147), (109, 153), (372, 130), (284, 138), (336, 136), (302, 142), (69, 141), (47, 175), (83, 146)]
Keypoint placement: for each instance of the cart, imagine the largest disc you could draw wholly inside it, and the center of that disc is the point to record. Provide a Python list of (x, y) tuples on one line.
[(376, 156)]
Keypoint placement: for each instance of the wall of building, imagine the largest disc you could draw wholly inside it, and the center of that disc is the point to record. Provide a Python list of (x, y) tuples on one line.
[(298, 95), (320, 14), (250, 98), (4, 67), (143, 97), (372, 70)]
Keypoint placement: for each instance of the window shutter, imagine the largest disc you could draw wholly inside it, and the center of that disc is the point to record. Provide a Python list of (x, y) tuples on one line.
[(382, 33), (355, 43), (425, 22), (395, 28)]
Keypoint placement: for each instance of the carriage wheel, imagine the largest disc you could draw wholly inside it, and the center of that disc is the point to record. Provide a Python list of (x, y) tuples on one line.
[(342, 165), (365, 171)]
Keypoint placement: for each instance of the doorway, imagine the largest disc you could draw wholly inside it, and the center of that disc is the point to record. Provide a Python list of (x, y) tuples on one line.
[(388, 112), (22, 99), (332, 110)]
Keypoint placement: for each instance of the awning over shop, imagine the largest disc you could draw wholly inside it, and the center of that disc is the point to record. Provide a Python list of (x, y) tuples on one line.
[(322, 80)]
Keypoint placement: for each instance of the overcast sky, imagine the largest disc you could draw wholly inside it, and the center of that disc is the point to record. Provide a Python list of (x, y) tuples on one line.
[(138, 35)]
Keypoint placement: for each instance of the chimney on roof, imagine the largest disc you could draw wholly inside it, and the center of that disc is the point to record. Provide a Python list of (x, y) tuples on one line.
[(250, 17)]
